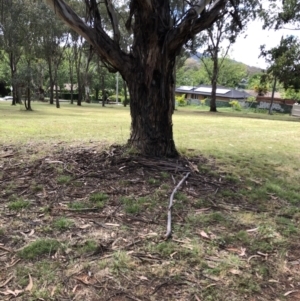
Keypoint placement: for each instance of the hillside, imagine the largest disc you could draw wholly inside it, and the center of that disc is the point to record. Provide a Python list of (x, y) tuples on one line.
[(197, 57)]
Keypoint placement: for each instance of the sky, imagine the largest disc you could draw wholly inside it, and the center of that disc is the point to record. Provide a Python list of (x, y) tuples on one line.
[(247, 50)]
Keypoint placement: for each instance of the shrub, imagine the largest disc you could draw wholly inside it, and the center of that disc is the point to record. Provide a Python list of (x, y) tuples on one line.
[(181, 101), (251, 99), (39, 247), (236, 106), (203, 101), (114, 97)]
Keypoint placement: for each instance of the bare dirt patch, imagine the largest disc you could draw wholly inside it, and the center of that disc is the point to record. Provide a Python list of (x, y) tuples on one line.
[(83, 223)]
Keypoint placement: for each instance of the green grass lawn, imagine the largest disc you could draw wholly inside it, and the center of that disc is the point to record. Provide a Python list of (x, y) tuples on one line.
[(69, 123), (257, 213), (249, 145)]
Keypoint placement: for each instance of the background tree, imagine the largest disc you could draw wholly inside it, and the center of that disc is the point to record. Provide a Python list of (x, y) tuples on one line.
[(70, 56), (52, 41), (291, 93), (283, 14), (13, 36), (259, 83), (225, 29), (30, 50), (5, 82), (284, 64), (194, 72)]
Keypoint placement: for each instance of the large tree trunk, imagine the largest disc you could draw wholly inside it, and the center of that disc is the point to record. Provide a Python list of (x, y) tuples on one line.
[(213, 103), (151, 108)]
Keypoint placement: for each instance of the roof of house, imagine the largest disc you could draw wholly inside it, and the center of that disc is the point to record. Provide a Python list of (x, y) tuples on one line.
[(206, 91)]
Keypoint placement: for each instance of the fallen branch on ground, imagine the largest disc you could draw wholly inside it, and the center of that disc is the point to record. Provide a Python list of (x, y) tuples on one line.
[(169, 224)]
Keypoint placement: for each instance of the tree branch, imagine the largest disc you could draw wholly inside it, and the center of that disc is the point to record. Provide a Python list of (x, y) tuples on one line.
[(193, 24), (114, 20), (169, 225), (108, 50)]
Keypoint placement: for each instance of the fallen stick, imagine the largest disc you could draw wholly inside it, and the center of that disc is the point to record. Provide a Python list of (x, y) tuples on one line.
[(169, 224)]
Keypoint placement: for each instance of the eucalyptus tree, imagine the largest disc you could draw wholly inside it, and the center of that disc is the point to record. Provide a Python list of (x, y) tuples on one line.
[(52, 42), (284, 64), (282, 14), (70, 56), (101, 80), (217, 41), (13, 35), (28, 70), (159, 33)]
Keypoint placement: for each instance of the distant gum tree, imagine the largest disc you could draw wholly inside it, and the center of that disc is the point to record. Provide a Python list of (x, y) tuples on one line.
[(284, 64)]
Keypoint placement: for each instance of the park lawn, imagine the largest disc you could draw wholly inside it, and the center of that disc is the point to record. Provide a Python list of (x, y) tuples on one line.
[(237, 242)]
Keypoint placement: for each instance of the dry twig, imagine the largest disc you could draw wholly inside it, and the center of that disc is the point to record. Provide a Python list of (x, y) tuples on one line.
[(169, 224)]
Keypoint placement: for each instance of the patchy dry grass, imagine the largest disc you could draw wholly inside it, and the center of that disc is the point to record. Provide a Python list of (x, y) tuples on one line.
[(80, 222)]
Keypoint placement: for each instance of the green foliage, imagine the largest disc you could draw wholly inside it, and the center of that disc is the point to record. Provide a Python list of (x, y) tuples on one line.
[(99, 199), (63, 223), (18, 204), (291, 93), (194, 73), (121, 262), (284, 62), (40, 247), (88, 247), (259, 83), (153, 181), (203, 101), (64, 179), (114, 97), (235, 104), (164, 175), (281, 14), (76, 205), (126, 102), (251, 99), (132, 205), (181, 100)]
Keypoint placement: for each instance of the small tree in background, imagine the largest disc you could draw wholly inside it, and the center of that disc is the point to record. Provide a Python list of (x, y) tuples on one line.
[(284, 64)]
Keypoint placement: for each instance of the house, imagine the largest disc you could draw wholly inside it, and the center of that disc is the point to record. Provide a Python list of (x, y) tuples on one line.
[(223, 95)]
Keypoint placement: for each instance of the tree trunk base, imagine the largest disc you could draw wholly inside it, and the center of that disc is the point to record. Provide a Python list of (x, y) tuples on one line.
[(158, 150)]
